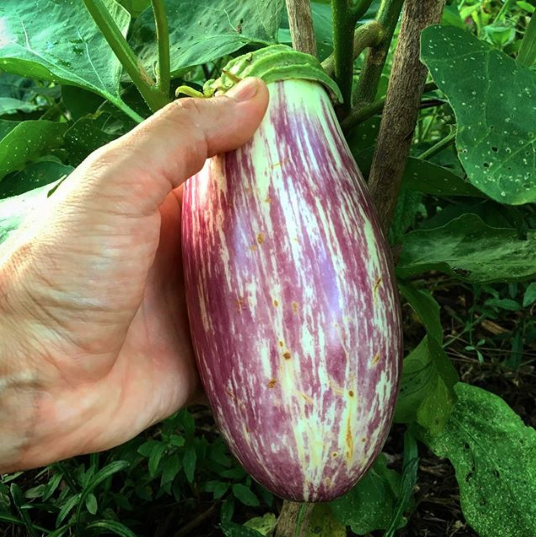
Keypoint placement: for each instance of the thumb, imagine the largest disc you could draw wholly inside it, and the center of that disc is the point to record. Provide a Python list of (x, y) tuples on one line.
[(174, 143)]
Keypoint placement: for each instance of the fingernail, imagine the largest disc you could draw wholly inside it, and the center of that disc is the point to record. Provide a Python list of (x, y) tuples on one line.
[(244, 90)]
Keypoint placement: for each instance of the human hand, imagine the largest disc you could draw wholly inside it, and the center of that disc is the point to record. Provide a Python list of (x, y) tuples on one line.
[(94, 337)]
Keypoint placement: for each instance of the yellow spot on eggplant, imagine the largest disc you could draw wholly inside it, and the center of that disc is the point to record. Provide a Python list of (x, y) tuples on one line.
[(363, 439), (307, 398), (276, 303), (268, 199), (375, 290), (280, 163), (280, 343), (272, 383), (334, 454), (376, 359), (295, 307), (350, 393), (231, 394), (286, 356), (260, 238), (253, 248), (349, 440), (240, 304)]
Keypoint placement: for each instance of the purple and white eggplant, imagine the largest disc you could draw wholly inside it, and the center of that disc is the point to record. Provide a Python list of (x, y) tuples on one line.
[(291, 297)]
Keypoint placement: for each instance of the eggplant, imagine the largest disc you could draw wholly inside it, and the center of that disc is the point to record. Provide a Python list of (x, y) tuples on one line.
[(292, 300)]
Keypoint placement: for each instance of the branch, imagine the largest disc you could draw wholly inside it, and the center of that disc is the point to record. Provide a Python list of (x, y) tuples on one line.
[(300, 20), (124, 53), (343, 17), (162, 36), (408, 77), (359, 115), (367, 35), (367, 85)]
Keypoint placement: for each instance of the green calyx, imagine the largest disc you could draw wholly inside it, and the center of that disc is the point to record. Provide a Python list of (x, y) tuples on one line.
[(271, 64)]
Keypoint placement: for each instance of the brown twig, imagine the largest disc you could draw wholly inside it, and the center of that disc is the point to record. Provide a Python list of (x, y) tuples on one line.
[(300, 20), (408, 77)]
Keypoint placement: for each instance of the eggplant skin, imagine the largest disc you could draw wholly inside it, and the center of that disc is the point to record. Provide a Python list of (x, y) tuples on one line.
[(292, 301)]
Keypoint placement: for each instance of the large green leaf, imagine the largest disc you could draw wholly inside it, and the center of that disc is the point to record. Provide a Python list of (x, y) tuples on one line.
[(14, 210), (33, 176), (494, 455), (470, 250), (23, 141), (426, 390), (57, 40), (425, 306), (494, 98), (205, 30), (371, 503)]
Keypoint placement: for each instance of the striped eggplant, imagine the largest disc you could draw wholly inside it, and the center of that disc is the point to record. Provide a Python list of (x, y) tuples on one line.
[(291, 296)]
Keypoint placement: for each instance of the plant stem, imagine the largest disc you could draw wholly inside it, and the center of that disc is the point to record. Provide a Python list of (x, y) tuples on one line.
[(343, 35), (124, 53), (300, 21), (367, 85), (123, 106), (527, 52), (408, 77), (360, 8), (439, 146), (162, 36), (359, 115), (368, 35)]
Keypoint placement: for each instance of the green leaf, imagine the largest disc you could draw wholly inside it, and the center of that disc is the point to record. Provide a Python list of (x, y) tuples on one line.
[(470, 250), (426, 308), (33, 176), (101, 476), (189, 462), (503, 303), (170, 468), (105, 527), (265, 525), (370, 504), (220, 489), (494, 455), (407, 483), (322, 523), (493, 98), (231, 529), (530, 295), (451, 16), (14, 210), (527, 51), (91, 504), (426, 390), (429, 178), (67, 508), (23, 141), (526, 6), (205, 30), (65, 46), (83, 138), (80, 102), (245, 495), (157, 451)]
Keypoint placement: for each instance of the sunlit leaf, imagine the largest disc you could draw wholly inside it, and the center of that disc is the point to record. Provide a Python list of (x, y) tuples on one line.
[(494, 98), (494, 455)]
